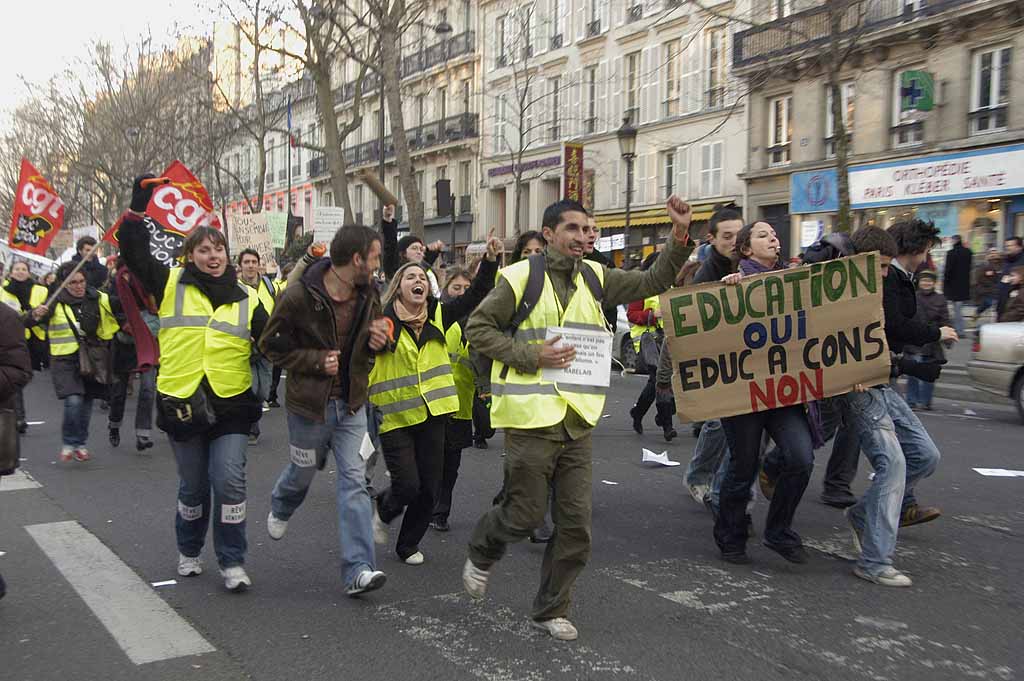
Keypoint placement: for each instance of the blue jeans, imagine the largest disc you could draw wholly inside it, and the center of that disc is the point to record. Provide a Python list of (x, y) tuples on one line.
[(343, 433), (958, 317), (218, 465), (919, 393), (901, 452), (75, 428), (707, 455)]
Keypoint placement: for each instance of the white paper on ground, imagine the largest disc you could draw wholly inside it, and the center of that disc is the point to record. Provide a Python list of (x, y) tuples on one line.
[(609, 482), (651, 457), (169, 582), (1000, 472), (35, 423), (366, 448), (970, 412)]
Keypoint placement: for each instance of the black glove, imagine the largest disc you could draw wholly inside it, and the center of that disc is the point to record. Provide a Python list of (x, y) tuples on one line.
[(140, 196), (927, 371)]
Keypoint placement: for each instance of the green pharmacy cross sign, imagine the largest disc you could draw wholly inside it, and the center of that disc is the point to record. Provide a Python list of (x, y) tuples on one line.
[(917, 92)]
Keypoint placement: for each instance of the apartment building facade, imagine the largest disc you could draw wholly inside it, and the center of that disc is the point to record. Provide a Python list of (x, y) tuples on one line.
[(555, 71), (933, 110)]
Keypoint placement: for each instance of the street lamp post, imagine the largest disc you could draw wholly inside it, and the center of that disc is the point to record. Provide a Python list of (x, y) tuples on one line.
[(627, 150)]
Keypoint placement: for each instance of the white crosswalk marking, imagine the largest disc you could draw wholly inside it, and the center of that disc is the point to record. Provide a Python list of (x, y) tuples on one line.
[(20, 480), (145, 627)]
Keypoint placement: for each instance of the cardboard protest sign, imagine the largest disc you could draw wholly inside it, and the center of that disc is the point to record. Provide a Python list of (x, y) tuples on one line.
[(326, 221), (277, 223), (250, 231), (776, 339), (174, 211), (38, 212)]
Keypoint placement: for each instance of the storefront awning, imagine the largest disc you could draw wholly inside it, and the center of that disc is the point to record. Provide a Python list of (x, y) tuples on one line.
[(642, 218)]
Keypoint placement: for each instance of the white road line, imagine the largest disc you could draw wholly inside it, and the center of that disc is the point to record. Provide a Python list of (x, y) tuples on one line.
[(20, 480), (146, 628)]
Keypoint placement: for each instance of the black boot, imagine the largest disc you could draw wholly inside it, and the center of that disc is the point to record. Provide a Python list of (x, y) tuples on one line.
[(115, 437), (638, 421), (142, 442), (664, 419)]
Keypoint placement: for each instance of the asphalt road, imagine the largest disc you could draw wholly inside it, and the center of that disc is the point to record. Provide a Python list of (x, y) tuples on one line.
[(654, 603)]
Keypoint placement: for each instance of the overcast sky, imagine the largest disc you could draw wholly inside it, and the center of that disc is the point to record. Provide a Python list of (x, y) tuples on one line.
[(41, 38)]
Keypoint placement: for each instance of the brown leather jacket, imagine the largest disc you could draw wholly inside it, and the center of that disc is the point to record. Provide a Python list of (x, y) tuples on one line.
[(300, 332)]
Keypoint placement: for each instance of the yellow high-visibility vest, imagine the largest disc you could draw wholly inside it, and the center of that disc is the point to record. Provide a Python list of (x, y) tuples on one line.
[(36, 297), (413, 381), (462, 367), (62, 336), (525, 400), (197, 341), (637, 330)]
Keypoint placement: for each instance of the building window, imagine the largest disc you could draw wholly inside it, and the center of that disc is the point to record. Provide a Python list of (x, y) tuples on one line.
[(500, 37), (441, 173), (907, 131), (990, 89), (467, 93), (270, 160), (847, 90), (668, 174), (670, 58), (421, 107), (714, 64), (442, 103), (711, 169), (358, 203), (779, 9), (780, 131), (554, 88), (590, 85), (632, 111), (500, 114)]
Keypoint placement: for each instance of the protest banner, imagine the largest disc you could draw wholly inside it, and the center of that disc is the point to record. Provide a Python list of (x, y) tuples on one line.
[(38, 266), (38, 212), (250, 231), (326, 221), (776, 339), (277, 223), (593, 362), (175, 210)]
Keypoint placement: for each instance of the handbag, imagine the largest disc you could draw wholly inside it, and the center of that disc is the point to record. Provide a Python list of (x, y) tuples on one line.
[(649, 356), (192, 413), (10, 445), (93, 355)]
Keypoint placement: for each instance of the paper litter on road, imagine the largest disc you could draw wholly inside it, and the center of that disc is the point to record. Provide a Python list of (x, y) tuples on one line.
[(970, 412), (609, 482), (35, 423), (651, 457), (1000, 472), (167, 582)]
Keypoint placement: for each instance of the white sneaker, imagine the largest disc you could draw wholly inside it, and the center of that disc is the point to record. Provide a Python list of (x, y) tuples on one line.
[(474, 579), (698, 492), (888, 577), (854, 532), (66, 453), (235, 578), (275, 526), (367, 580), (380, 528), (189, 565), (415, 559), (558, 628)]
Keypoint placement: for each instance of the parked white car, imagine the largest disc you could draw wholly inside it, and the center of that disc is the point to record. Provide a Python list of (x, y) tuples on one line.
[(998, 362), (622, 345)]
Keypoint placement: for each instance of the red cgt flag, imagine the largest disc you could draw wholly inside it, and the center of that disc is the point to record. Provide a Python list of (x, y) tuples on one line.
[(174, 211), (38, 212)]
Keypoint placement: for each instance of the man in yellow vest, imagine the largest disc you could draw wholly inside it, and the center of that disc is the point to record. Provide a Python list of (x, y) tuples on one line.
[(548, 425), (262, 370)]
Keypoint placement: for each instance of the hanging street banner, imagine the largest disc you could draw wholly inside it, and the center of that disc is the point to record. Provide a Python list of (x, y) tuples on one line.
[(38, 212), (776, 339), (38, 266), (250, 231), (572, 180), (174, 211)]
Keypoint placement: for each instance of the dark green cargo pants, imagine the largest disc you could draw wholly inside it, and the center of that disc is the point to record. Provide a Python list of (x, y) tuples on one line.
[(532, 464)]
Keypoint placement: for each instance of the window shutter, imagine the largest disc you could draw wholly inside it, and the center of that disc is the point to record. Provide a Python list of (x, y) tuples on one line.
[(573, 122), (580, 18), (616, 197), (618, 14), (602, 97), (564, 15), (647, 80), (539, 26), (716, 162), (615, 112), (605, 15), (691, 75)]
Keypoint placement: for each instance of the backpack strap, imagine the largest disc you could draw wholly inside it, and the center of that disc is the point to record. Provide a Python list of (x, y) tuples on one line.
[(531, 294), (593, 283), (269, 283)]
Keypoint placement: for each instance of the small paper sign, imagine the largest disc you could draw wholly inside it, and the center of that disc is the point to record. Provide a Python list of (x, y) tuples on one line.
[(593, 363)]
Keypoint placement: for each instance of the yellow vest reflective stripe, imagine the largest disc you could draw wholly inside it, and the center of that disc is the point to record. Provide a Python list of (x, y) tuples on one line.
[(197, 341), (265, 295), (62, 336), (36, 297), (525, 400), (462, 368), (411, 381), (638, 330)]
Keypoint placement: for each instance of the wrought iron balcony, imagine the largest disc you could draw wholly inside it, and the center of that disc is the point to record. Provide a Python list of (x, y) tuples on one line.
[(446, 131), (811, 28), (317, 166)]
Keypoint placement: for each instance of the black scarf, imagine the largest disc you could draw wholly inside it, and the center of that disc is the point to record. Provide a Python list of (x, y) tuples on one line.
[(86, 310), (220, 290), (22, 290)]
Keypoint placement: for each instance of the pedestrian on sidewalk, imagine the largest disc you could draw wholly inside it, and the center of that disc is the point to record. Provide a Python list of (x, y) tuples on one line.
[(956, 280), (1014, 311), (413, 385), (79, 317), (548, 425), (986, 283), (1013, 257), (324, 332), (15, 373), (932, 308), (208, 320), (647, 331)]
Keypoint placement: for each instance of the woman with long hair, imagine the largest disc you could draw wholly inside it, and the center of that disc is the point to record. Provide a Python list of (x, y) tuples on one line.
[(23, 295), (205, 404), (413, 385), (529, 243)]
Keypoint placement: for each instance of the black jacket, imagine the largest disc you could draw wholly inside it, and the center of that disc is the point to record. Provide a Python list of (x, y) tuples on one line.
[(899, 302), (714, 268), (956, 279), (1009, 262), (95, 273)]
